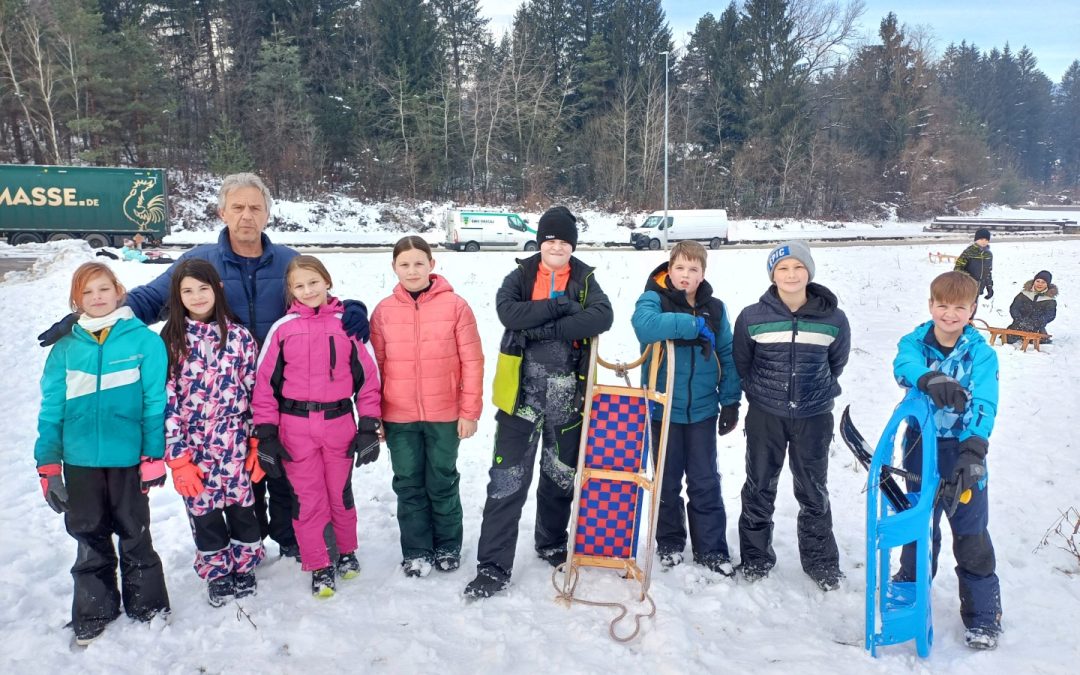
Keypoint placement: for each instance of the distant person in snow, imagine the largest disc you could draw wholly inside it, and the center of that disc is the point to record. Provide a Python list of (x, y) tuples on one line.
[(551, 306), (977, 261), (1034, 307), (252, 270), (133, 250), (101, 437)]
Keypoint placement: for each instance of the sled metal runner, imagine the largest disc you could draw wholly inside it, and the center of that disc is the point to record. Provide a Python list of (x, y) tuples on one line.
[(614, 474), (899, 610)]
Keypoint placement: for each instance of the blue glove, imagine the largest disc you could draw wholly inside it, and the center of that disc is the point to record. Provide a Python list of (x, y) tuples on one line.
[(58, 330), (355, 320), (706, 338)]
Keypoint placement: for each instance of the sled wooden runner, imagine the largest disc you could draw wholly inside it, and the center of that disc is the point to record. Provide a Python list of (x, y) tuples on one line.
[(614, 473), (1027, 337)]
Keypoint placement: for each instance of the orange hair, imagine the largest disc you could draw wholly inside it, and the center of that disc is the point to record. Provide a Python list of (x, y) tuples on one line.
[(82, 277)]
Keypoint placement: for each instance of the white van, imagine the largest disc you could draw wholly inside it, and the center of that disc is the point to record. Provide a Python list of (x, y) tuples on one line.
[(473, 230), (709, 226)]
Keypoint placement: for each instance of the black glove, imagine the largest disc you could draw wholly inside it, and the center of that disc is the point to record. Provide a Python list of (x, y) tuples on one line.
[(545, 332), (58, 330), (971, 464), (563, 306), (943, 390), (355, 321), (52, 486), (271, 450), (365, 444), (729, 417), (989, 292)]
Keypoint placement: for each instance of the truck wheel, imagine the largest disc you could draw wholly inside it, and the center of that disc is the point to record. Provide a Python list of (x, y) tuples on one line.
[(96, 240), (472, 247), (24, 238), (654, 244), (716, 243), (530, 246), (59, 236)]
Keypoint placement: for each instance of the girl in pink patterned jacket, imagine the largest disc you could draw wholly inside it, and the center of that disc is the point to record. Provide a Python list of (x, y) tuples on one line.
[(211, 375), (309, 372)]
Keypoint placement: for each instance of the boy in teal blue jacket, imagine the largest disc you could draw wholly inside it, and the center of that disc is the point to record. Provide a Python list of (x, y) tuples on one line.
[(678, 305), (101, 438), (951, 363)]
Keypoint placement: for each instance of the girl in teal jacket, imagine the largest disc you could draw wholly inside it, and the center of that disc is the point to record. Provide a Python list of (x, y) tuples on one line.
[(101, 437)]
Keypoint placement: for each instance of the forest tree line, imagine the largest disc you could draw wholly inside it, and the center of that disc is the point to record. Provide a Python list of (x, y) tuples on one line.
[(775, 107)]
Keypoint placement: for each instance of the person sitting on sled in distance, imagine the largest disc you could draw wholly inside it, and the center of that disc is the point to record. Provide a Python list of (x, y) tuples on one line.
[(790, 349), (678, 304), (1034, 307), (949, 361)]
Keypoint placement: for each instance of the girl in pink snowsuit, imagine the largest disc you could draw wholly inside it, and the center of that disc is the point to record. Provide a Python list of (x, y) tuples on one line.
[(309, 372)]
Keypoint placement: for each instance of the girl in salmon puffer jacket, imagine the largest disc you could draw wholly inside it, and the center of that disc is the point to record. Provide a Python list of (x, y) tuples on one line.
[(428, 348), (309, 374)]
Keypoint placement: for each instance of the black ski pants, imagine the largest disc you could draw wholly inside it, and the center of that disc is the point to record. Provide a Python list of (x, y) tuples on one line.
[(691, 452), (508, 484), (278, 522), (105, 502), (806, 443)]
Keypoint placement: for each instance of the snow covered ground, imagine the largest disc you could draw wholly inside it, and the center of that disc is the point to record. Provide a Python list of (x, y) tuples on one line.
[(385, 622)]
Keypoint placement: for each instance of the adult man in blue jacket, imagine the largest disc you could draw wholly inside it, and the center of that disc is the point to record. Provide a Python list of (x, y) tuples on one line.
[(252, 270)]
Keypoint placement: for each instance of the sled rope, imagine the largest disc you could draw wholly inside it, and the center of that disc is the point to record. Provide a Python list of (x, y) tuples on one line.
[(568, 598)]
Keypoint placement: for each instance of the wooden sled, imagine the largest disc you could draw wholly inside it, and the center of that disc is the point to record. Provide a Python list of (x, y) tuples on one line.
[(614, 474), (1027, 337), (938, 257)]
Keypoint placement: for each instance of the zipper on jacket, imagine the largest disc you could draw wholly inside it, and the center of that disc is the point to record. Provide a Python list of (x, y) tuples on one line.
[(333, 356), (791, 379), (419, 380), (690, 382)]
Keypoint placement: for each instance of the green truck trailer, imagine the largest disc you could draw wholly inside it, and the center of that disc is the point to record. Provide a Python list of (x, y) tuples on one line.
[(102, 205)]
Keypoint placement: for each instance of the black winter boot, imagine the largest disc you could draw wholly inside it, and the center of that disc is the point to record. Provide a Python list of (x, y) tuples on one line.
[(220, 590), (489, 581)]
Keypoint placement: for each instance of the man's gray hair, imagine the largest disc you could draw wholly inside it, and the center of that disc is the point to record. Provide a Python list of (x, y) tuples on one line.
[(243, 180)]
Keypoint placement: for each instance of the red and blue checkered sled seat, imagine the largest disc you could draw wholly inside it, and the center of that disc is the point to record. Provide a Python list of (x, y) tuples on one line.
[(610, 510)]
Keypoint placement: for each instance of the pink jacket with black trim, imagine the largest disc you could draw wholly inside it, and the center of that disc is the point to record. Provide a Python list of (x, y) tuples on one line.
[(307, 356), (430, 355)]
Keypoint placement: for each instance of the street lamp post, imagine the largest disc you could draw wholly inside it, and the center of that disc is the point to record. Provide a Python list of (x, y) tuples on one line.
[(666, 222)]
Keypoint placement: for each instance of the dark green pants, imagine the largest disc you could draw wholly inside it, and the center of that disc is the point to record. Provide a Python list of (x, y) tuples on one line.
[(424, 458)]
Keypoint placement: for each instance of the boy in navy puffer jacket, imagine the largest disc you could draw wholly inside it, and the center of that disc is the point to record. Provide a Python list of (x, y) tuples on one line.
[(678, 305), (790, 349)]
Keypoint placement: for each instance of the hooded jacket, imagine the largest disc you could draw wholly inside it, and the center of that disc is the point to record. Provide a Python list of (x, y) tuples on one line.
[(518, 313), (103, 405), (790, 362), (972, 362), (429, 354), (257, 302), (308, 357), (977, 262), (701, 384), (1031, 311)]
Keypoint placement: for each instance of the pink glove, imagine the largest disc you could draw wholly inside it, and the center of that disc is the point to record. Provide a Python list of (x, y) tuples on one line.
[(151, 473)]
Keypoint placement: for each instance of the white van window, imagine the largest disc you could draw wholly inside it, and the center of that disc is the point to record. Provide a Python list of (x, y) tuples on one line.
[(654, 221), (517, 223)]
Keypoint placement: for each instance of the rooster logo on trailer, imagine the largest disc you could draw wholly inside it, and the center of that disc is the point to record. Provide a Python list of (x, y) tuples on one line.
[(142, 207)]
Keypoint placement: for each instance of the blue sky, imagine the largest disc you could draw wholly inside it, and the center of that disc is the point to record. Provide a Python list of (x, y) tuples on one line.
[(1050, 28)]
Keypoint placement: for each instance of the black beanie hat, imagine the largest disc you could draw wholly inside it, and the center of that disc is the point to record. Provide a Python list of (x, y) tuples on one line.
[(1045, 276), (557, 223), (982, 233)]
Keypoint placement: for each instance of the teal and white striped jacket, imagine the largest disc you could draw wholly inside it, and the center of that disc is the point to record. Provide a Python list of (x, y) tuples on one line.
[(103, 405)]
